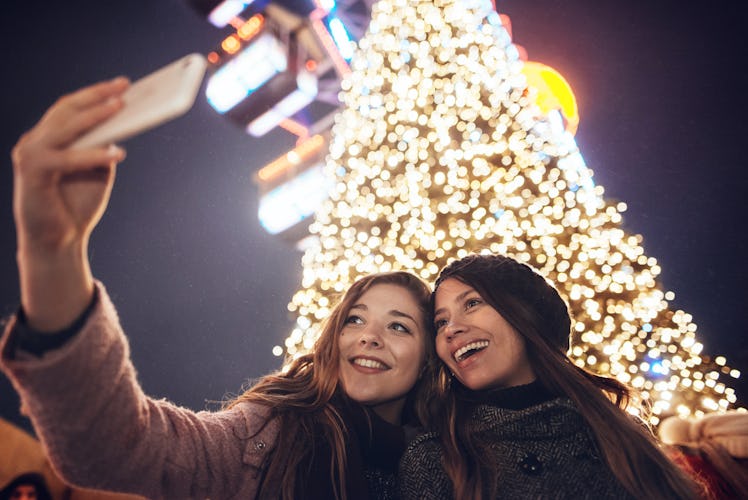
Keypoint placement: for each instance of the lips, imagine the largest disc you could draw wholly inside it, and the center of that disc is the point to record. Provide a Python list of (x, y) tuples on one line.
[(370, 363), (469, 349)]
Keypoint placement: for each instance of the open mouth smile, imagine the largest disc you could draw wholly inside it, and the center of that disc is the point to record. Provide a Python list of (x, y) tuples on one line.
[(468, 350), (370, 363)]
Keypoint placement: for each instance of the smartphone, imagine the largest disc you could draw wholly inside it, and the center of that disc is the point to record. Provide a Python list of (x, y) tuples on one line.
[(163, 95)]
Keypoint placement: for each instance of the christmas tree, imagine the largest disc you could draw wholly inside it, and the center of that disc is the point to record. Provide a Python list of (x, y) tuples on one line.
[(441, 151)]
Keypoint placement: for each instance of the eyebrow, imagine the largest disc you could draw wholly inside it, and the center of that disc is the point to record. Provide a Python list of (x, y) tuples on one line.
[(392, 312), (459, 298)]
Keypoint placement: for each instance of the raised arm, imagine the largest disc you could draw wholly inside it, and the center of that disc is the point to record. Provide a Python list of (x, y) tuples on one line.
[(59, 195), (98, 427)]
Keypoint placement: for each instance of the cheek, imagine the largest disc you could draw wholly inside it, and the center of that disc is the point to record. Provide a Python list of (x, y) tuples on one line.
[(411, 354), (442, 350), (344, 340), (515, 348)]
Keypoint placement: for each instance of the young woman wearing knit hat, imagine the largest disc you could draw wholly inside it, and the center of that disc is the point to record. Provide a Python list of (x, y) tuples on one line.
[(512, 416)]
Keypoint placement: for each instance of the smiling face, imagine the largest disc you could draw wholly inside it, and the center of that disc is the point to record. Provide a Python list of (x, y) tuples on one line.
[(382, 349), (475, 342)]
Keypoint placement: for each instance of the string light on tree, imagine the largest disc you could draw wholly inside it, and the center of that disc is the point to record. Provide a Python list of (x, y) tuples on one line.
[(440, 151)]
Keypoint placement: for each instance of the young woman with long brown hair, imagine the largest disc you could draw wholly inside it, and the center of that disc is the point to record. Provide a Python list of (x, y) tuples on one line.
[(513, 417), (330, 426)]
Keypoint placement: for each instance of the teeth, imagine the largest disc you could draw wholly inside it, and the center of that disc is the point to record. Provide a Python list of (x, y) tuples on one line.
[(369, 363), (472, 345)]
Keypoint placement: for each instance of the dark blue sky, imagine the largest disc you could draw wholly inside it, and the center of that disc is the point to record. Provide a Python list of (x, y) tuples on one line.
[(202, 289)]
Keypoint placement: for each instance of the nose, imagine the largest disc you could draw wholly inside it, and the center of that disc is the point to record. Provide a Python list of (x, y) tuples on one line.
[(453, 328), (370, 337)]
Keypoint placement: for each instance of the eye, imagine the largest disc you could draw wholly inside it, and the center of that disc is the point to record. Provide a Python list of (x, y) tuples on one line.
[(354, 320), (472, 302), (400, 327), (439, 323)]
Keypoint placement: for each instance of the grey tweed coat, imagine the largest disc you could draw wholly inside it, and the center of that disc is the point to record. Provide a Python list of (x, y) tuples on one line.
[(543, 451)]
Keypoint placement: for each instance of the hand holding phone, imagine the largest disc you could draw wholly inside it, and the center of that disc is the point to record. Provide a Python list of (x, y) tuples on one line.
[(165, 94)]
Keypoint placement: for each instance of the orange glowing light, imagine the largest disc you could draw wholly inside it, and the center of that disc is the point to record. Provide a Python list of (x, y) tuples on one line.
[(251, 27), (294, 127), (230, 44), (291, 159), (213, 57), (236, 22), (311, 65), (553, 92)]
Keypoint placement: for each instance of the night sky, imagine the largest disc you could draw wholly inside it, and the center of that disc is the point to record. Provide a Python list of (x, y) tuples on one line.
[(202, 289)]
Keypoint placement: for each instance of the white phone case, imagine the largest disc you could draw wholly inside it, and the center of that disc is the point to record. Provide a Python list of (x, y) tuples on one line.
[(163, 95)]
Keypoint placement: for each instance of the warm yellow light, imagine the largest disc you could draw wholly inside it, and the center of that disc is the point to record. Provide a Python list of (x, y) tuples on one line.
[(251, 27), (553, 92), (231, 44)]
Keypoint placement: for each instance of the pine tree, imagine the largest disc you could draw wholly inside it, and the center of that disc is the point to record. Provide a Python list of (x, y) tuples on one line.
[(440, 152)]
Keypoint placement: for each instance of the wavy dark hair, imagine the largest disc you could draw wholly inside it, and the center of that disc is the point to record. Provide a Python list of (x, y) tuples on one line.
[(300, 396), (534, 308)]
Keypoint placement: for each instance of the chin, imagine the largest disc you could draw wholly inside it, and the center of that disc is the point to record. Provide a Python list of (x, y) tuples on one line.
[(363, 399), (475, 385)]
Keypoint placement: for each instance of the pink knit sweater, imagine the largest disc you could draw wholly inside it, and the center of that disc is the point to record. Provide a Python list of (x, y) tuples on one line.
[(101, 431)]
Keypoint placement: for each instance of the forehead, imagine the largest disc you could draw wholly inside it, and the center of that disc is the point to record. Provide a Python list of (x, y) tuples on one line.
[(388, 298), (388, 294), (450, 289)]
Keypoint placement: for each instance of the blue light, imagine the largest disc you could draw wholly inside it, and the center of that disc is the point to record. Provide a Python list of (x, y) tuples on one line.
[(224, 12), (340, 37), (247, 72), (292, 202), (657, 367)]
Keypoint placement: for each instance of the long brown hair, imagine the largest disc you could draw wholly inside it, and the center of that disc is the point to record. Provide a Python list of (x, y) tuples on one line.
[(300, 395), (538, 313)]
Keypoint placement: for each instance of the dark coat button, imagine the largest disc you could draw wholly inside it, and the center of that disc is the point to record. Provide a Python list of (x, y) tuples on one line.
[(531, 465)]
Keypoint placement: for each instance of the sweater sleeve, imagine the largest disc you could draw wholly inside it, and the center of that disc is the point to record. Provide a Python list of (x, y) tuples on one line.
[(101, 431), (27, 339)]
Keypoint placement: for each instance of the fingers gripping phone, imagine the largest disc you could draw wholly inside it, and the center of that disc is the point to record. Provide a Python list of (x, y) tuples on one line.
[(163, 95)]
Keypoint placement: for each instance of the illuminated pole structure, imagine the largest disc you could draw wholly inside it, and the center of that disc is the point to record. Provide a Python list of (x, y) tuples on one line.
[(441, 150)]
